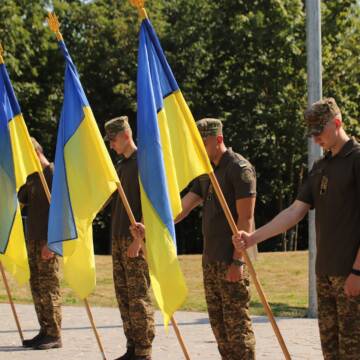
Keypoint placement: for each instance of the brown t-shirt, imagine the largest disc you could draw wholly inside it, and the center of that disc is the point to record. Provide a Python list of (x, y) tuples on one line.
[(237, 179), (333, 189), (33, 196), (127, 170)]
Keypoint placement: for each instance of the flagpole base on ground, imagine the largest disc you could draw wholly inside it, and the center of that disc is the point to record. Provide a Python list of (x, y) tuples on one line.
[(88, 310), (180, 339), (11, 302)]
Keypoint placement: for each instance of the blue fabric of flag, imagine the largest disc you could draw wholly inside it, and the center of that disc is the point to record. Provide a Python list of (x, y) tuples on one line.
[(8, 198), (155, 81), (71, 117)]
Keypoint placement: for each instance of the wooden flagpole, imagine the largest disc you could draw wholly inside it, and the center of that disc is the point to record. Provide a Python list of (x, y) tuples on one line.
[(1, 266), (55, 27), (11, 302)]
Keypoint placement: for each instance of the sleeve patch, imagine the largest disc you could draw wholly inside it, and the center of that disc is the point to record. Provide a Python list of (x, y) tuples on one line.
[(247, 176)]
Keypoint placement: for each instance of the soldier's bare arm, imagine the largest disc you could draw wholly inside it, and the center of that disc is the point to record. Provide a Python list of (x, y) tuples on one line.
[(352, 284), (188, 202), (245, 210), (282, 222)]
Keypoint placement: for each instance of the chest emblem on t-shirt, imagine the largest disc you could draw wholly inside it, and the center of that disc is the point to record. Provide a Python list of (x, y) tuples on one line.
[(210, 193), (324, 185)]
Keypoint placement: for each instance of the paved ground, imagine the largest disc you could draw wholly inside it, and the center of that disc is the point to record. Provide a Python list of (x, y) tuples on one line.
[(301, 336)]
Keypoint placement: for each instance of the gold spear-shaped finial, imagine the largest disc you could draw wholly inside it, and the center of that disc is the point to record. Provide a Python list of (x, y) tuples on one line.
[(139, 4), (54, 25), (1, 54)]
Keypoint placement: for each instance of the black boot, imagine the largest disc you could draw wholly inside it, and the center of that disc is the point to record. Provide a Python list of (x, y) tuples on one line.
[(48, 342), (31, 342), (129, 355)]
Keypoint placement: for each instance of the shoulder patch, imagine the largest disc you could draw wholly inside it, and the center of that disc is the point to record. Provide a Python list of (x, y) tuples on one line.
[(247, 175)]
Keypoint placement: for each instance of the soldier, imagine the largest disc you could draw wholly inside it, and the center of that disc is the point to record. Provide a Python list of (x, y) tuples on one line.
[(130, 270), (44, 265), (333, 189), (226, 281)]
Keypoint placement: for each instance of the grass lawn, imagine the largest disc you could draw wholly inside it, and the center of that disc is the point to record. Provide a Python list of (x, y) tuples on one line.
[(283, 276)]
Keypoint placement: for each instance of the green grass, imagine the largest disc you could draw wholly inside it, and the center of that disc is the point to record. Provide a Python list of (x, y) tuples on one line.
[(283, 277)]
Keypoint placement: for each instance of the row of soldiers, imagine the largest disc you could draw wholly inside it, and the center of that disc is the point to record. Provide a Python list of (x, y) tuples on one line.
[(332, 188)]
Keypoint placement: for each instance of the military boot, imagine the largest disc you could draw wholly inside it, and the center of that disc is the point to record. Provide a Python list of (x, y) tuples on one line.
[(48, 342), (32, 342), (129, 355)]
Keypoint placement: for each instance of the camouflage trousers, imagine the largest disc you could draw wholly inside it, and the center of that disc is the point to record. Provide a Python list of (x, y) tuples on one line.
[(339, 319), (45, 289), (228, 307), (132, 288)]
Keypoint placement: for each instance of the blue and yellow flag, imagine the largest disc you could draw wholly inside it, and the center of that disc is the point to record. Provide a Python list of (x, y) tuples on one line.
[(17, 161), (84, 179), (171, 153)]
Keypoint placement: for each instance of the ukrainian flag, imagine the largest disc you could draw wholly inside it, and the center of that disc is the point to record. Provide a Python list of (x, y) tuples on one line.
[(84, 179), (171, 153), (17, 161)]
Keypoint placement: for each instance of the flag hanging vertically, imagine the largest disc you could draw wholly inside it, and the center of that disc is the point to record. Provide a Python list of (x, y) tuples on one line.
[(17, 161), (171, 153), (84, 179)]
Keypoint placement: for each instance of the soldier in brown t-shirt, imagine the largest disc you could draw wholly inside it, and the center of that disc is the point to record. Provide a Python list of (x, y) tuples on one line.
[(130, 270), (333, 189), (226, 282), (44, 265)]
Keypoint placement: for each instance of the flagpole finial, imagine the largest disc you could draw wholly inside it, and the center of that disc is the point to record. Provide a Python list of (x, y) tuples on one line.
[(54, 25), (1, 54), (140, 5)]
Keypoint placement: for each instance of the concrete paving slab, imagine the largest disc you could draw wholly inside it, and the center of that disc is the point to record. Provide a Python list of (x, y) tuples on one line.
[(300, 335)]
